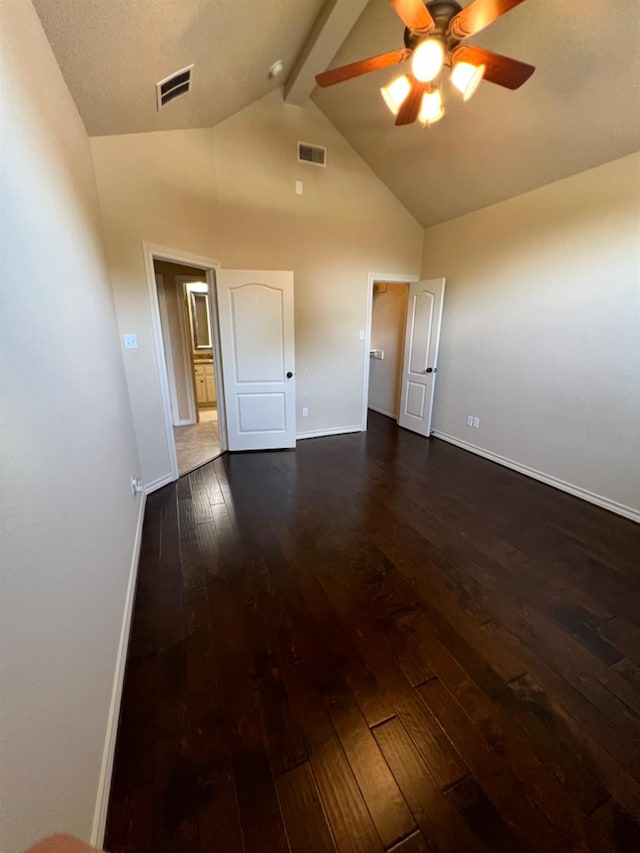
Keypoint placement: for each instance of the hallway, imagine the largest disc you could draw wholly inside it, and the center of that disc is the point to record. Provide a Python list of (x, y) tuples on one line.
[(379, 642)]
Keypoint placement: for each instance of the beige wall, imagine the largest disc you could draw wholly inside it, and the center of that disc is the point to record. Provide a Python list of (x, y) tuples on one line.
[(541, 329), (228, 193), (388, 320), (68, 452), (173, 335)]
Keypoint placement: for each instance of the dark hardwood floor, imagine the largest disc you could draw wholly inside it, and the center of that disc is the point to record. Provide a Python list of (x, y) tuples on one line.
[(379, 642)]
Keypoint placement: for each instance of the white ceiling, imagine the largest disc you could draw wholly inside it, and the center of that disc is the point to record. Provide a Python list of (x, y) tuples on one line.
[(581, 108), (113, 52)]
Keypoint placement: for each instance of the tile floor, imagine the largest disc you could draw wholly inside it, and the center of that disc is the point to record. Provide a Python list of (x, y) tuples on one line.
[(198, 443)]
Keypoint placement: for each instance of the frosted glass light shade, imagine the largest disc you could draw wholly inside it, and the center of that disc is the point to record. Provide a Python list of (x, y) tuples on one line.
[(466, 78), (395, 93), (427, 61), (431, 108)]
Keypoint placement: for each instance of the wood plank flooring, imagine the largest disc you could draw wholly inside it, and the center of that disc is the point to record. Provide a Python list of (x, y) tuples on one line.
[(379, 642)]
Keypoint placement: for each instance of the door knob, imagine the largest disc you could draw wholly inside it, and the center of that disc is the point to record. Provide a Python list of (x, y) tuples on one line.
[(431, 370), (289, 374)]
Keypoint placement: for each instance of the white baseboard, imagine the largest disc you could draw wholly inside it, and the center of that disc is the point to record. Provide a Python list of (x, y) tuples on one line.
[(576, 491), (380, 411), (159, 483), (321, 433), (104, 782)]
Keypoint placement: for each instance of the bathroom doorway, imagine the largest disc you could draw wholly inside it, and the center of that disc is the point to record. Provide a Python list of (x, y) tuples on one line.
[(185, 305)]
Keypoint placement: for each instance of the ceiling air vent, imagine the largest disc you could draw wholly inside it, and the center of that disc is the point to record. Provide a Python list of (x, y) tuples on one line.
[(173, 86), (314, 154)]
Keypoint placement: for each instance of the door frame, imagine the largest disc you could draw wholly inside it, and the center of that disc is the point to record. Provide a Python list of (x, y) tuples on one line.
[(154, 252), (375, 278)]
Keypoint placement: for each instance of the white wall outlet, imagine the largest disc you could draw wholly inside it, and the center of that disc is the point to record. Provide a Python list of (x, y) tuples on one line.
[(470, 421), (136, 486), (305, 412), (299, 188), (130, 341), (476, 423)]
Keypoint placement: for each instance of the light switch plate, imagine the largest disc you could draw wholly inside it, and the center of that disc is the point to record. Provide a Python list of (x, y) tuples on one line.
[(130, 341), (299, 188)]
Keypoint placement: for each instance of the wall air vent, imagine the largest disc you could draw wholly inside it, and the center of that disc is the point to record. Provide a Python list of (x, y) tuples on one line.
[(173, 86), (314, 154)]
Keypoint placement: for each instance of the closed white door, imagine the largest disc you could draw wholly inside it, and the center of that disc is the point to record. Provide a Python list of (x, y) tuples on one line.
[(420, 364), (255, 310)]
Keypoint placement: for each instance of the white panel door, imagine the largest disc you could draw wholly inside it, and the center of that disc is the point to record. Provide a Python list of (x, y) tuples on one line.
[(255, 310), (420, 361)]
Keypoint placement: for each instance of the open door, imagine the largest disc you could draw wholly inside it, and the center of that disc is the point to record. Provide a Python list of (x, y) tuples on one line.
[(255, 311), (424, 315)]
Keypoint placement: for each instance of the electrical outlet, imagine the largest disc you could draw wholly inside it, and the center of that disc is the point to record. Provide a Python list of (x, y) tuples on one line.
[(470, 421), (305, 412), (476, 423), (130, 341)]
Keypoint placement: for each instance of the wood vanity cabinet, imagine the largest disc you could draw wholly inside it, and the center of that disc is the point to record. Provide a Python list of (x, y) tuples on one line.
[(205, 384)]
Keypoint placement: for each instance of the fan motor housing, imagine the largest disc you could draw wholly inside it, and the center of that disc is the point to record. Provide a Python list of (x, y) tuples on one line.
[(442, 11)]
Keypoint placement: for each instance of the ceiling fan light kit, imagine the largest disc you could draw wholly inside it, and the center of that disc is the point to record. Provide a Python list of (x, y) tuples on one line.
[(432, 37), (395, 93), (431, 108), (427, 60), (466, 78)]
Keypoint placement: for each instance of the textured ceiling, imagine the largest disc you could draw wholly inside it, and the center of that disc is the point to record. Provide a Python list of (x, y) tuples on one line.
[(581, 108), (113, 52)]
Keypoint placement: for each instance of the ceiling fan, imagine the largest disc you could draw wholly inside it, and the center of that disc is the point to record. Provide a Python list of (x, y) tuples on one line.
[(432, 38)]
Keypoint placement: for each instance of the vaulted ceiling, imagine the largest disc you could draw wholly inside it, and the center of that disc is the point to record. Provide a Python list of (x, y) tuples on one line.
[(581, 108), (113, 52)]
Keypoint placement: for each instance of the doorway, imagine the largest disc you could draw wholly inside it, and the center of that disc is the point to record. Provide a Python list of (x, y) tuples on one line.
[(186, 304), (402, 339), (187, 334), (388, 321), (251, 345)]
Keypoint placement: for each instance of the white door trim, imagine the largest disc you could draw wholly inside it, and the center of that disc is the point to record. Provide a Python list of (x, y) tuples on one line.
[(374, 277), (151, 252)]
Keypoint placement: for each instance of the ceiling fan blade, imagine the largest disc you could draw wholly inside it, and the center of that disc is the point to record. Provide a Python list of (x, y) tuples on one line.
[(415, 15), (479, 15), (501, 70), (410, 108), (363, 66)]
